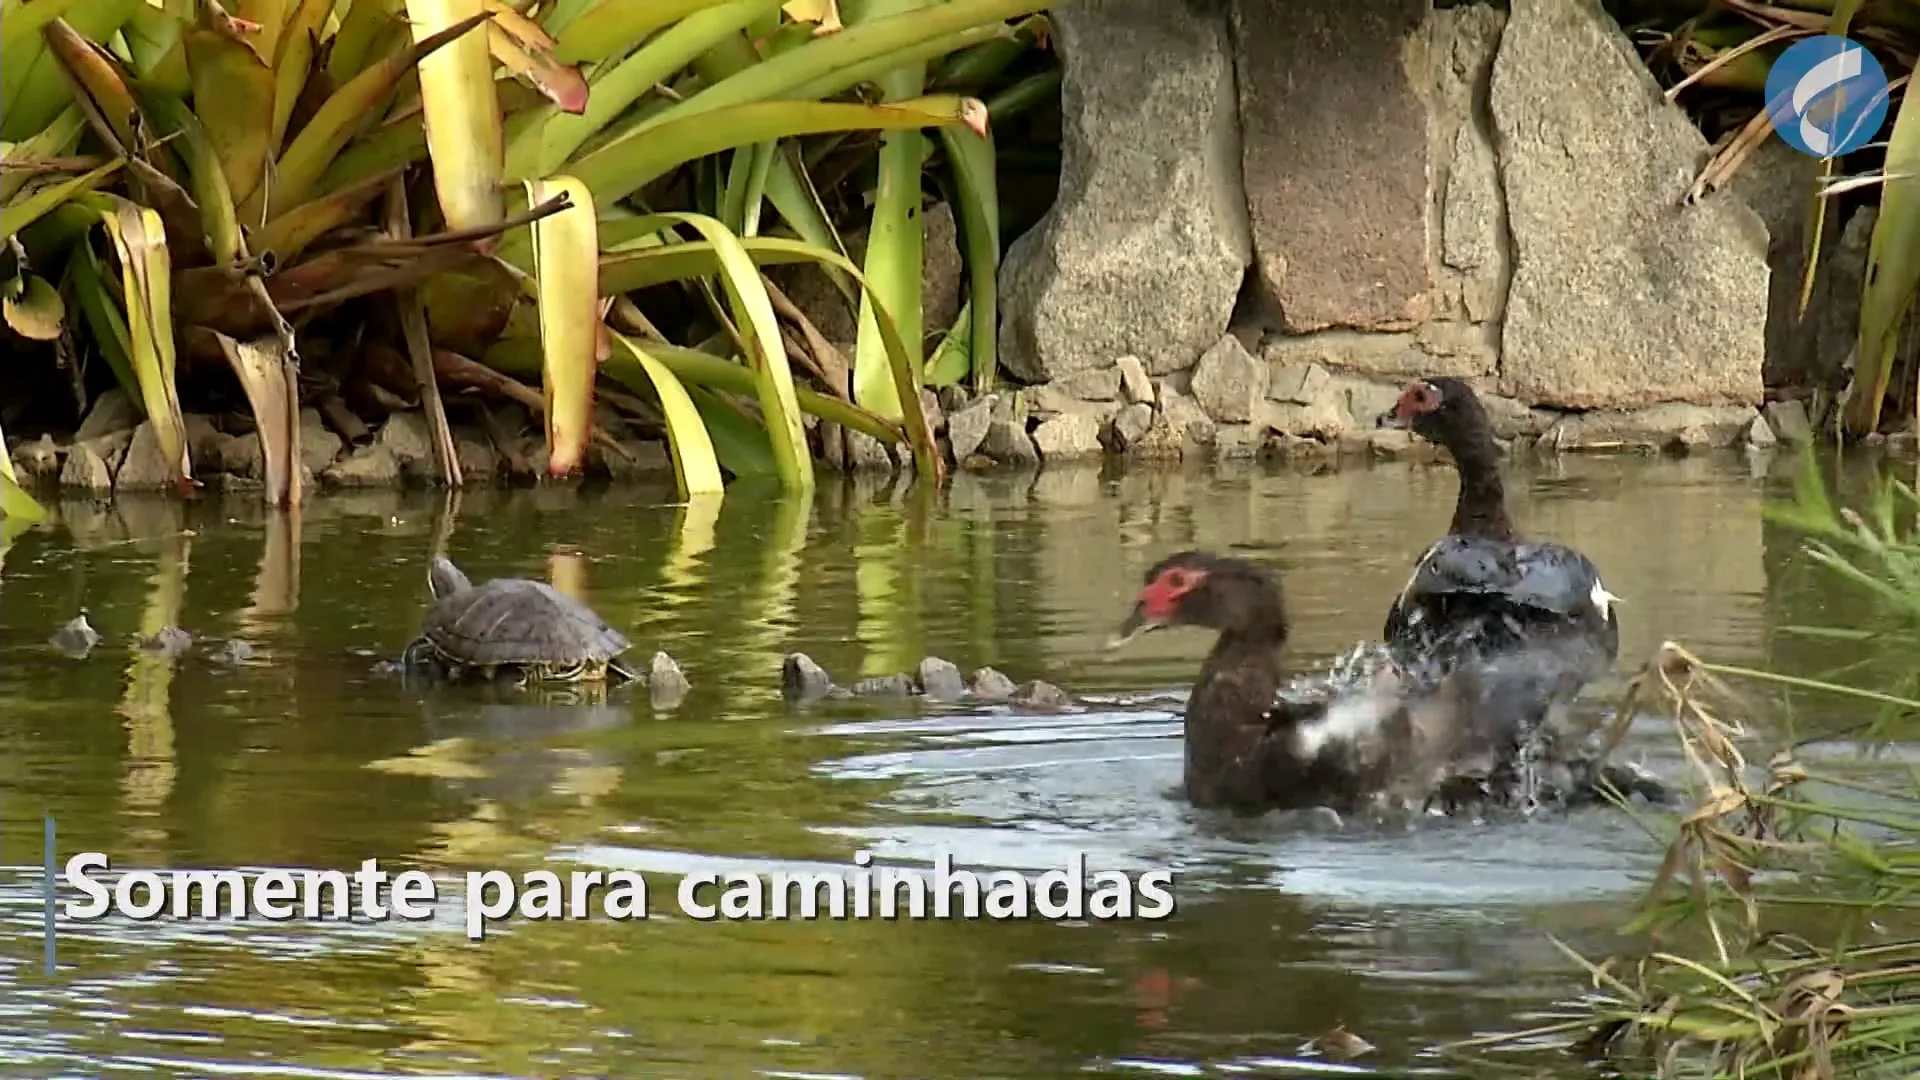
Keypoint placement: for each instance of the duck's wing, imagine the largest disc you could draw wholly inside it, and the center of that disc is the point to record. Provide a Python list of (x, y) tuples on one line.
[(1472, 592)]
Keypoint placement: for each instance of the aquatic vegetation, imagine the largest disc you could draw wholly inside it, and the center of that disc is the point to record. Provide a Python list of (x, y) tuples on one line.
[(1780, 930)]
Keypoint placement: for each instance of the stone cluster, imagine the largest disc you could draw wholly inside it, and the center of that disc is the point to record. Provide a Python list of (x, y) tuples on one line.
[(1272, 213), (114, 451)]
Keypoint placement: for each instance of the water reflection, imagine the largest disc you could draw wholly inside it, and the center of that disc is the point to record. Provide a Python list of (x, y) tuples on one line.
[(306, 756)]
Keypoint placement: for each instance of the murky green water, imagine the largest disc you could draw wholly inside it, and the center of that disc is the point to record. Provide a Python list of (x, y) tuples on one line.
[(306, 758)]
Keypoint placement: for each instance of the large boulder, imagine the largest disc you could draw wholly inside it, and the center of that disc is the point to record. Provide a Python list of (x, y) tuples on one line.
[(1145, 248), (1623, 296), (1336, 159)]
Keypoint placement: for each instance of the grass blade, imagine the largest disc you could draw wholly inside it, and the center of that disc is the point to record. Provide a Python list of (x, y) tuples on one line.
[(742, 443), (753, 313), (548, 140), (207, 173), (15, 504), (634, 269), (521, 356), (17, 216), (367, 28), (695, 467), (57, 139), (976, 205), (788, 187), (783, 75), (107, 328), (628, 163), (289, 234)]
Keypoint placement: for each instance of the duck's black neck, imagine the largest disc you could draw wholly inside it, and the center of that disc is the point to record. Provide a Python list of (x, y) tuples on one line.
[(1227, 713), (1481, 509)]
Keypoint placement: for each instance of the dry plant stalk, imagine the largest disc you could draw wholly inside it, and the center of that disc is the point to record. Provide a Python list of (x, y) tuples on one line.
[(1761, 1003)]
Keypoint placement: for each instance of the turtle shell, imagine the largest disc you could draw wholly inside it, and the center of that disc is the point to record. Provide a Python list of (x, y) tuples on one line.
[(518, 621)]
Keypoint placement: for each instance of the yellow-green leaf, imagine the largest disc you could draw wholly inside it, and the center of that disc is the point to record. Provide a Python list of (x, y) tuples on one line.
[(351, 110), (35, 312), (464, 134), (970, 156), (1893, 272), (207, 173), (105, 325), (16, 216), (622, 270), (15, 503), (613, 27), (753, 312), (32, 92), (233, 102), (566, 250), (548, 138), (55, 140), (293, 63), (146, 282), (694, 464), (826, 13), (628, 163)]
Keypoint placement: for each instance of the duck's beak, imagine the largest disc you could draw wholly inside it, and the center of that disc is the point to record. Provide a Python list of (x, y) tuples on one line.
[(1136, 625), (1392, 419)]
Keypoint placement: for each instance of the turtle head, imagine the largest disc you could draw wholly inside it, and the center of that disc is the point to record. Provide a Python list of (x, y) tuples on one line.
[(445, 579)]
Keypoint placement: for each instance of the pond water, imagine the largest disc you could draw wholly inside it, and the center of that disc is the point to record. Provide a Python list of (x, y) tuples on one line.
[(305, 756)]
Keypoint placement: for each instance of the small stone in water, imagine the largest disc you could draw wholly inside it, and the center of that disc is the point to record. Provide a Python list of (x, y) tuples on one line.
[(1633, 780), (666, 684), (940, 680), (1342, 1045), (801, 678), (990, 685), (1325, 818), (77, 638), (170, 641), (1041, 694), (884, 686), (234, 651)]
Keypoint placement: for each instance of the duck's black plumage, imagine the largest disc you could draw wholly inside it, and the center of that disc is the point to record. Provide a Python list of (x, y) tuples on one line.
[(1482, 591), (1255, 742)]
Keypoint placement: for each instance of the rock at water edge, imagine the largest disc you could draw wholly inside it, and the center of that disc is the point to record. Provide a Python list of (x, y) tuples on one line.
[(1144, 250), (1335, 154), (1622, 295)]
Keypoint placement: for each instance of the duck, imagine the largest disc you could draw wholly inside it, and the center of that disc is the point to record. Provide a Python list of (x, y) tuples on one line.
[(1256, 741), (1482, 591)]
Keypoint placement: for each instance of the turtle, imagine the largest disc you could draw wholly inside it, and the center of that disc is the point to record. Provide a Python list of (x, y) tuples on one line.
[(516, 625)]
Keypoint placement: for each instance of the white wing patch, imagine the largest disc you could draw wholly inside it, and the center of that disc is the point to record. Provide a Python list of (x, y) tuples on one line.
[(1601, 599), (1349, 717)]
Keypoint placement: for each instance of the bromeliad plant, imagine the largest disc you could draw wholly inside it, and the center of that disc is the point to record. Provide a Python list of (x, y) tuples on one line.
[(258, 167)]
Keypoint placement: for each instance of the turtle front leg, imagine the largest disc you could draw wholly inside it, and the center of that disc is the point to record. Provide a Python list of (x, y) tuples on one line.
[(421, 658)]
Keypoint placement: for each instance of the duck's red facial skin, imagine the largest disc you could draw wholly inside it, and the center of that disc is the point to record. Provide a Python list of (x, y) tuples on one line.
[(1418, 399), (1159, 600)]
